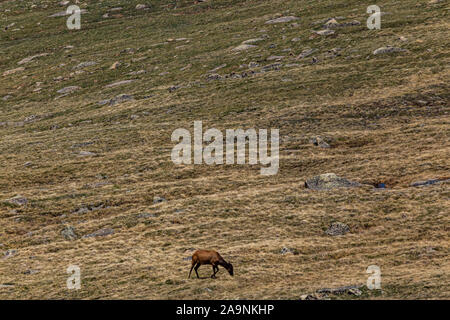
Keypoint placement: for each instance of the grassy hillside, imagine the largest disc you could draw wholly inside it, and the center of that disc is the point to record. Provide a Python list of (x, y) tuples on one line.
[(85, 159)]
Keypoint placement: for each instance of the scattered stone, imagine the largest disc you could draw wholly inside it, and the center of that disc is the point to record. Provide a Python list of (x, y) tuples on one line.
[(86, 153), (28, 164), (388, 49), (326, 32), (186, 67), (135, 73), (289, 251), (84, 65), (253, 41), (141, 6), (428, 182), (31, 271), (157, 199), (29, 59), (270, 67), (282, 20), (305, 53), (253, 64), (119, 83), (118, 99), (69, 233), (355, 291), (332, 23), (12, 71), (296, 39), (9, 253), (68, 89), (276, 58), (337, 229), (218, 68), (213, 76), (100, 233), (243, 47), (319, 142), (341, 290), (328, 181), (313, 296), (18, 200), (333, 53)]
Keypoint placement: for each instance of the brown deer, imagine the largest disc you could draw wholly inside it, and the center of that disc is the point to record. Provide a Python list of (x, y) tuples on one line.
[(209, 257)]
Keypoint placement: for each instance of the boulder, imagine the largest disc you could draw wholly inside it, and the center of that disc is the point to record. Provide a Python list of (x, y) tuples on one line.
[(337, 229), (329, 181), (69, 233)]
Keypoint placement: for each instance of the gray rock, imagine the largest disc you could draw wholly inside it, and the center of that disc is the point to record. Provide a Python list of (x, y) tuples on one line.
[(12, 71), (69, 233), (282, 20), (428, 182), (253, 41), (86, 153), (9, 253), (328, 181), (29, 59), (306, 53), (354, 289), (319, 142), (100, 233), (157, 199), (141, 6), (68, 89), (84, 65), (270, 67), (18, 200), (213, 76), (116, 100), (388, 49), (276, 58), (337, 229), (288, 250), (119, 83), (310, 297), (31, 271), (326, 32), (218, 67), (243, 47)]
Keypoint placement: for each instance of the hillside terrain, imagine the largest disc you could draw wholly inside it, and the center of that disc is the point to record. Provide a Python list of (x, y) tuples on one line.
[(86, 176)]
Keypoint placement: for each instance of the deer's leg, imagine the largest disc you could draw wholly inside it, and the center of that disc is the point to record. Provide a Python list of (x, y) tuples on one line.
[(215, 270), (196, 268), (192, 267)]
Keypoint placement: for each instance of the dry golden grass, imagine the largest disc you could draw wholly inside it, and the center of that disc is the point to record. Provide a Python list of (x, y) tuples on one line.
[(386, 118)]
